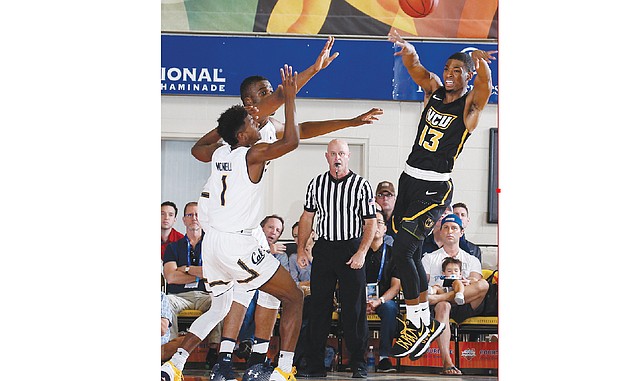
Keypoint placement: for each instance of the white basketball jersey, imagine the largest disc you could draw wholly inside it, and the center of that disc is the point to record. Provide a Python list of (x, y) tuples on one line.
[(268, 133), (234, 202)]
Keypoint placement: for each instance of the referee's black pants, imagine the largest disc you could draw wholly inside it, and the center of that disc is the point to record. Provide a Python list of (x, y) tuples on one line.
[(328, 266)]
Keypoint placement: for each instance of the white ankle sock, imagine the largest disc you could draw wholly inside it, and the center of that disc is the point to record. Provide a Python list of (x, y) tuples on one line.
[(459, 298), (285, 362), (227, 346), (413, 314), (425, 313), (261, 348), (179, 358)]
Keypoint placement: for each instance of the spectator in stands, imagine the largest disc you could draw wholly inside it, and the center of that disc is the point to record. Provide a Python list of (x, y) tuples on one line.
[(183, 273), (380, 270), (432, 241), (168, 218), (474, 291), (450, 280), (291, 247), (386, 198), (272, 226), (168, 347), (461, 210)]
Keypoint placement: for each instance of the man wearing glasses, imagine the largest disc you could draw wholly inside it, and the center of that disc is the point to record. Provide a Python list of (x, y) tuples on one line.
[(385, 197)]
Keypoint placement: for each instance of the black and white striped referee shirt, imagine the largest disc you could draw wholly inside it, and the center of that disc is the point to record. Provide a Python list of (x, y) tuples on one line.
[(340, 205)]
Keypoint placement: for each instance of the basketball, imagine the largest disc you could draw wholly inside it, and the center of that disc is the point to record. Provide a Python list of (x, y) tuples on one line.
[(418, 8)]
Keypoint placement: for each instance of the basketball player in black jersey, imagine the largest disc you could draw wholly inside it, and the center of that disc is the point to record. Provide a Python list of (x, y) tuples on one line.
[(451, 113)]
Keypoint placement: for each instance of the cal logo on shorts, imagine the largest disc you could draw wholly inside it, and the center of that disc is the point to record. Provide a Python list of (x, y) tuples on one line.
[(258, 256)]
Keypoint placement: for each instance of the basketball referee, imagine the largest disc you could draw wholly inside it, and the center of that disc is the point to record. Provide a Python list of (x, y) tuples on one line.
[(344, 204)]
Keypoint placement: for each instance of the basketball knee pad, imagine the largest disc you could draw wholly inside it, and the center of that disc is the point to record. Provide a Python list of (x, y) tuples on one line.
[(242, 296), (268, 301), (208, 320)]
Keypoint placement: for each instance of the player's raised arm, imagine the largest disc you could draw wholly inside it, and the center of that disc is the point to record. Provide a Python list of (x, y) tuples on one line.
[(483, 85), (271, 103), (483, 82), (427, 80), (203, 149), (322, 61), (311, 129)]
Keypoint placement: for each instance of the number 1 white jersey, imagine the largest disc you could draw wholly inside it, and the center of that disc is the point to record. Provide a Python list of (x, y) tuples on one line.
[(233, 201)]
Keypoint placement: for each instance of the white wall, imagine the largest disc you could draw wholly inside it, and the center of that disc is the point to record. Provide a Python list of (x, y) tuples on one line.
[(386, 143)]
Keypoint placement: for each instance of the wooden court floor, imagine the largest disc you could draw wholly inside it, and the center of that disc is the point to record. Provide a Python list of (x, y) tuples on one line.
[(203, 375)]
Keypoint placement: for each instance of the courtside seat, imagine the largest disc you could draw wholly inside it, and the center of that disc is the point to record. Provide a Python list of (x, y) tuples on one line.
[(487, 273), (480, 320), (189, 314), (374, 322), (478, 324)]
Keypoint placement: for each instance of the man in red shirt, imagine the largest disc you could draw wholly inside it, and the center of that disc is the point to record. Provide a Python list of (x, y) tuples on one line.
[(168, 218)]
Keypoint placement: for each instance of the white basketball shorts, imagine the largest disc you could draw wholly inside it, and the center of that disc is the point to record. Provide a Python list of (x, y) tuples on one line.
[(240, 258)]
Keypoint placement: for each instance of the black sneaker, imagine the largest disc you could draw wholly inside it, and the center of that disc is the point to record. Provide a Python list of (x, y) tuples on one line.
[(309, 372), (408, 339), (385, 366), (434, 330)]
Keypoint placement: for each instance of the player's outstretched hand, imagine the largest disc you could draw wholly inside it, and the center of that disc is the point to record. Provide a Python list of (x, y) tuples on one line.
[(324, 58), (289, 81), (406, 48), (486, 56), (367, 118)]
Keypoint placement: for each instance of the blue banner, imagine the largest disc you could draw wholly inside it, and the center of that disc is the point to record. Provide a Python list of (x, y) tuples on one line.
[(365, 69)]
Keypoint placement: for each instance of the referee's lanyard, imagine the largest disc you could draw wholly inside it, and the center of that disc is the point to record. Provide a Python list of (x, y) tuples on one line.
[(189, 263), (382, 262)]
